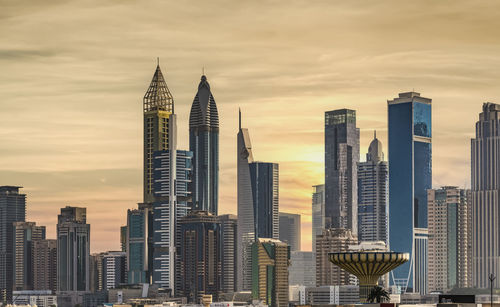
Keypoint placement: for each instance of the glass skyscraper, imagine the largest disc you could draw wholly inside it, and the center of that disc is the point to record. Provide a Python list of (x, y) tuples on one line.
[(410, 176), (373, 195), (264, 177), (485, 189), (318, 212), (341, 158), (204, 143), (139, 244)]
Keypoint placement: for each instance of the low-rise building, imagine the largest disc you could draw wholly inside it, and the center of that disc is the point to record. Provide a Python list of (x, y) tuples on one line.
[(40, 298), (328, 295)]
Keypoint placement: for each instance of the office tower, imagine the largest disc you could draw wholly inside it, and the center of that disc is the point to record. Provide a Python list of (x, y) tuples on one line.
[(25, 233), (373, 195), (73, 250), (45, 265), (158, 107), (113, 269), (410, 176), (301, 270), (229, 231), (485, 186), (450, 246), (270, 260), (330, 241), (289, 230), (139, 240), (204, 143), (258, 204), (265, 193), (95, 272), (12, 209), (172, 176), (199, 250), (123, 238), (341, 157), (246, 216), (318, 212)]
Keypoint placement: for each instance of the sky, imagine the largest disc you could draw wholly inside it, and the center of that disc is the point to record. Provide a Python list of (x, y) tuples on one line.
[(73, 74)]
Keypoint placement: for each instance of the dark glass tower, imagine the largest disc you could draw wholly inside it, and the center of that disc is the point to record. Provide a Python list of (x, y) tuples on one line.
[(12, 209), (341, 156), (410, 176), (73, 250), (204, 143)]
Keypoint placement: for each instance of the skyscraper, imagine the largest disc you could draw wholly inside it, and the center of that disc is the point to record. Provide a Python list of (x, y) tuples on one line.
[(270, 260), (204, 143), (373, 195), (485, 188), (113, 269), (12, 209), (73, 250), (318, 212), (140, 244), (25, 233), (246, 216), (158, 106), (332, 240), (199, 249), (301, 270), (45, 265), (258, 204), (229, 231), (264, 177), (172, 176), (289, 231), (341, 157), (450, 246), (410, 176)]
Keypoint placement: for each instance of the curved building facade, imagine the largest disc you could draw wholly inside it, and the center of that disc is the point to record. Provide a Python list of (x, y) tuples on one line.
[(204, 143)]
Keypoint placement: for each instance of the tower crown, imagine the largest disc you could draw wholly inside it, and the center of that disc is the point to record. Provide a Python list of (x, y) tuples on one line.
[(204, 110), (158, 96)]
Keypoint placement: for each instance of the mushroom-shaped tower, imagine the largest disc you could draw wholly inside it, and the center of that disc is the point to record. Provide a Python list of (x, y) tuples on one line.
[(368, 267)]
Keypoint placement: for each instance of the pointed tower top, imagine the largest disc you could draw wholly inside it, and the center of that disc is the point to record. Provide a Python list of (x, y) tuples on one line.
[(374, 134), (375, 153), (158, 96), (239, 113)]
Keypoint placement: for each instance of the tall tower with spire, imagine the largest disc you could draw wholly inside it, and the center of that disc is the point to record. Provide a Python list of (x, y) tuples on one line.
[(158, 112), (204, 143)]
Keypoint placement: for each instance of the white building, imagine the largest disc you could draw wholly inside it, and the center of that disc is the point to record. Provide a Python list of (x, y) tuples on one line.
[(328, 295), (40, 298)]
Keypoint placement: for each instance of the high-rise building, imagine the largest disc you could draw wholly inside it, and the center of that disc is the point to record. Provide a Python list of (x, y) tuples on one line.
[(318, 212), (258, 204), (289, 231), (341, 158), (172, 177), (158, 106), (373, 195), (301, 270), (113, 269), (95, 272), (25, 233), (73, 250), (450, 246), (140, 243), (485, 188), (410, 176), (264, 177), (204, 143), (45, 265), (270, 260), (332, 240), (229, 231), (200, 256), (12, 209)]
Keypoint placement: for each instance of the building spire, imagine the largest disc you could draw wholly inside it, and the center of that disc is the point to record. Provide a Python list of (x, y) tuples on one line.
[(374, 134), (239, 113), (158, 96)]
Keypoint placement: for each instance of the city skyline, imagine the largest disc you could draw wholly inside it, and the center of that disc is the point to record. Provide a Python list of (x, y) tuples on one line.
[(61, 154)]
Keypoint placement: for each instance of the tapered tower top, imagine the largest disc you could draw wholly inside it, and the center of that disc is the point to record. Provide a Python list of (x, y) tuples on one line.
[(204, 110), (158, 96)]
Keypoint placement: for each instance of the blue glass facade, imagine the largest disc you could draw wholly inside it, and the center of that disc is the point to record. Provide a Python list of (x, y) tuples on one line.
[(264, 178), (139, 240), (410, 175)]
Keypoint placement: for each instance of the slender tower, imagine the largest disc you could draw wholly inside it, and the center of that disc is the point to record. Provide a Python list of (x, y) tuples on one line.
[(204, 143), (158, 110), (246, 225)]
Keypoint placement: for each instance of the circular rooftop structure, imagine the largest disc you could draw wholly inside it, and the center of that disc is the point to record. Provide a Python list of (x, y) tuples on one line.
[(368, 267)]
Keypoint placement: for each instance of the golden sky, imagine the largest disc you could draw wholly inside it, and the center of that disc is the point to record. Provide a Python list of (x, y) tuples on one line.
[(73, 74)]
